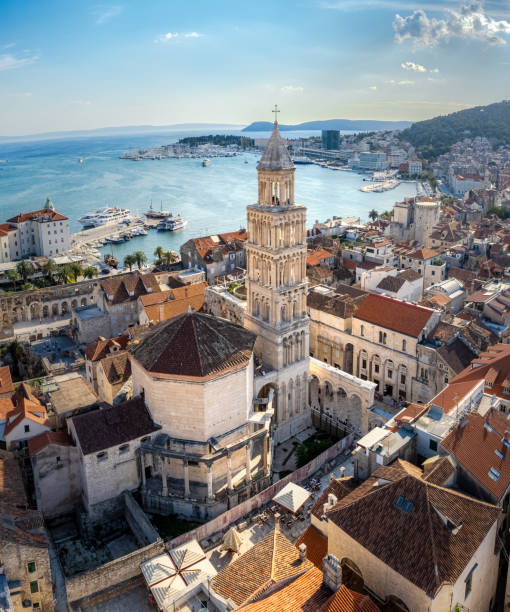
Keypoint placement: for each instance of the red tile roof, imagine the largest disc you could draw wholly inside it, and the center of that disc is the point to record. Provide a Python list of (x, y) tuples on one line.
[(40, 442), (423, 254), (407, 524), (396, 315), (493, 366), (316, 545), (271, 560), (478, 444), (100, 348), (167, 304), (316, 258), (25, 409), (35, 214), (205, 244), (6, 385)]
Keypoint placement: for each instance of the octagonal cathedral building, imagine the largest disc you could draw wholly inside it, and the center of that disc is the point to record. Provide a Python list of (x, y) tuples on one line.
[(276, 287)]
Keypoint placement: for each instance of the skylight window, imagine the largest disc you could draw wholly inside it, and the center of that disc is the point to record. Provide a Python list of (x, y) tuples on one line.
[(494, 474), (488, 427), (499, 454), (404, 504)]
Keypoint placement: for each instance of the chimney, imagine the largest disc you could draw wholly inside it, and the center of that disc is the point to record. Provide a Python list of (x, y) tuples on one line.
[(331, 573), (277, 521), (342, 472), (331, 477), (332, 500), (302, 552)]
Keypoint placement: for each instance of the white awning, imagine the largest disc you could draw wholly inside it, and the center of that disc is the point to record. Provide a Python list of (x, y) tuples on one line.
[(291, 497)]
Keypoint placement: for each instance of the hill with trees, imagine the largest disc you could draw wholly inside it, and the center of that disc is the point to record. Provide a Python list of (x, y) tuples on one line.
[(362, 125), (434, 137)]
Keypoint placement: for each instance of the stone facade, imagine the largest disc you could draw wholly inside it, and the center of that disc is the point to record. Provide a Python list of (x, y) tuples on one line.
[(276, 288)]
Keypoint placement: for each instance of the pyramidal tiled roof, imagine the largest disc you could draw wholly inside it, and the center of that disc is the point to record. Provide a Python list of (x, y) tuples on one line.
[(193, 344), (276, 155)]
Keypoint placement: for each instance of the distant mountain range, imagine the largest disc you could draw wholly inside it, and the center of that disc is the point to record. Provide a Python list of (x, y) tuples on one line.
[(434, 137), (368, 125), (124, 130)]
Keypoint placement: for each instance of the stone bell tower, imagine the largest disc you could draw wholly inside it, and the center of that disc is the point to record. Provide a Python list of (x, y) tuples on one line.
[(276, 288)]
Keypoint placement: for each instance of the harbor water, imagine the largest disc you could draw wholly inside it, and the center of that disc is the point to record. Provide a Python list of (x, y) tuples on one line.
[(213, 199)]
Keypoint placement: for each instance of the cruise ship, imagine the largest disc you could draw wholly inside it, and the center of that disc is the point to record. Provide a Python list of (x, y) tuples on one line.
[(104, 216), (172, 223)]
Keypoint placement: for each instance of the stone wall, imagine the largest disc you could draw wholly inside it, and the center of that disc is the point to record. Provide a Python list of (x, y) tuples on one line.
[(138, 522), (117, 571)]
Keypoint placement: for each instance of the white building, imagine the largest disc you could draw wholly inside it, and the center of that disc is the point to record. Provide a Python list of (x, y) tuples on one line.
[(371, 160), (42, 232)]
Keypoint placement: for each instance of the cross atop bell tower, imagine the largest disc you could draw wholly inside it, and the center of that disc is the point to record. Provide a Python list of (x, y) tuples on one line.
[(275, 111)]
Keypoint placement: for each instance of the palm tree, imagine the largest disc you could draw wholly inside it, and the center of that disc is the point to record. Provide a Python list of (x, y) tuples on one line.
[(168, 258), (25, 269), (129, 262), (63, 275), (75, 270), (13, 276), (140, 258), (159, 252), (373, 214), (49, 269), (90, 272)]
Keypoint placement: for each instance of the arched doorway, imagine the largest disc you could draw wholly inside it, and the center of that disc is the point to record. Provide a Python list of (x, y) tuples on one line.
[(269, 392)]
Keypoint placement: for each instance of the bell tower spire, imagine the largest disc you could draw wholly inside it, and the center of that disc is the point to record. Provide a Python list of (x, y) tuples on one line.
[(276, 171)]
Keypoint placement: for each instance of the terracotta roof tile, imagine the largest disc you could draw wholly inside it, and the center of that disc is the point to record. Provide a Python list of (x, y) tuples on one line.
[(347, 600), (42, 441), (423, 254), (6, 385), (272, 559), (116, 367), (316, 545), (230, 241), (317, 257), (35, 214), (101, 347), (396, 315), (164, 305), (403, 526), (193, 344), (437, 470), (128, 287), (478, 444), (339, 487)]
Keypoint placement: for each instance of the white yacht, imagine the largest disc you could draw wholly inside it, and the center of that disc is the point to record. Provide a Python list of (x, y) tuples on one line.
[(104, 216)]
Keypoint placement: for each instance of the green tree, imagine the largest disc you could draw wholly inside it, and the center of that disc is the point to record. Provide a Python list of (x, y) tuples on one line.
[(13, 276), (169, 258), (158, 252), (25, 269), (140, 258), (373, 214), (129, 262), (62, 275), (75, 271), (90, 272), (49, 269)]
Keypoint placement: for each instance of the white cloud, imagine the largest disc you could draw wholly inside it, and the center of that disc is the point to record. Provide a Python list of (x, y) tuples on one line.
[(413, 66), (8, 45), (405, 83), (291, 89), (105, 13), (163, 38), (373, 87), (11, 62), (469, 22), (435, 70)]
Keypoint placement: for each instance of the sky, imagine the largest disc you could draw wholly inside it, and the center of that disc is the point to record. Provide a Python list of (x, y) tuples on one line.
[(84, 65)]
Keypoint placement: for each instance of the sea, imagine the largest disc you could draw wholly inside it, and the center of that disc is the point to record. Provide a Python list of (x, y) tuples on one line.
[(213, 199)]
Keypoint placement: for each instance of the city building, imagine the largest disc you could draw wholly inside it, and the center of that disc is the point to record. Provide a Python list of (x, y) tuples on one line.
[(414, 219), (25, 574), (372, 160), (330, 140), (217, 255), (43, 232), (416, 544)]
